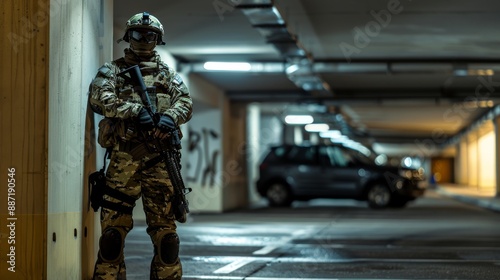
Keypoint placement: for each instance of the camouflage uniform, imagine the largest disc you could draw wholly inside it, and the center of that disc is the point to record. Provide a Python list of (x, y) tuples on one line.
[(120, 132)]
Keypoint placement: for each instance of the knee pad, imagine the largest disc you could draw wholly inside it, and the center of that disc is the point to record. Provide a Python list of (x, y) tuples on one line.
[(169, 248), (111, 245)]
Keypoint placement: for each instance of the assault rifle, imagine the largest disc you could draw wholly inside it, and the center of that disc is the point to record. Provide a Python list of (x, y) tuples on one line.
[(170, 155)]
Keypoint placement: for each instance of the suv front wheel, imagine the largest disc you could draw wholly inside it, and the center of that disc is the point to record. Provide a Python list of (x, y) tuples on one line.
[(279, 195), (379, 196)]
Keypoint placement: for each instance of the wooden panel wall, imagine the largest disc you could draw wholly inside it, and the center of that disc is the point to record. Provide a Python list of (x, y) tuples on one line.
[(24, 26), (442, 169)]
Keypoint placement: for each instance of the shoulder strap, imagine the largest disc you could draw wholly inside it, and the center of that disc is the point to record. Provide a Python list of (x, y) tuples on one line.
[(107, 155)]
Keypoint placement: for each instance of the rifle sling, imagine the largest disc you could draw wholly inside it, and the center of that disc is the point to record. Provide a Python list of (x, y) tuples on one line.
[(150, 163), (114, 193), (117, 207)]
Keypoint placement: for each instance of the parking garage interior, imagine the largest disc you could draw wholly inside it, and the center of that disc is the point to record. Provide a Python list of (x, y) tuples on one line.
[(410, 83)]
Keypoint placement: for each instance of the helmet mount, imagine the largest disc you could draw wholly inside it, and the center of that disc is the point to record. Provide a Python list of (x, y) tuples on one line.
[(145, 18)]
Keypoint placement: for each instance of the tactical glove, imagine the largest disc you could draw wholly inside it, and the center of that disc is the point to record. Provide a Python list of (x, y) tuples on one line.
[(145, 119), (166, 123)]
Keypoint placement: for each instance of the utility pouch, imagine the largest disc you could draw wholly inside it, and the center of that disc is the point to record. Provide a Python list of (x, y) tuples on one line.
[(107, 136)]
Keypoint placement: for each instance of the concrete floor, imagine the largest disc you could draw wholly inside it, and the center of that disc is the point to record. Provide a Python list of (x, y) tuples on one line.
[(433, 238)]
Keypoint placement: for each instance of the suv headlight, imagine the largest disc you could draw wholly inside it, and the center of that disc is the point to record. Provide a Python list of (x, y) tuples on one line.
[(406, 173), (411, 174)]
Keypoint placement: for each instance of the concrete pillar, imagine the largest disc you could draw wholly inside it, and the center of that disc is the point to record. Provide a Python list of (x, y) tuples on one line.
[(462, 155), (81, 41), (298, 136), (496, 122), (253, 136), (472, 160), (314, 138), (458, 163)]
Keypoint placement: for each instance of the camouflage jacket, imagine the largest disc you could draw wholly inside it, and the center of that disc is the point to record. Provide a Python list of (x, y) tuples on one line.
[(118, 101)]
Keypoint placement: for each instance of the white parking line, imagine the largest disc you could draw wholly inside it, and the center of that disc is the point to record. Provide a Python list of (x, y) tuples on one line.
[(206, 277), (234, 266), (264, 251), (268, 249)]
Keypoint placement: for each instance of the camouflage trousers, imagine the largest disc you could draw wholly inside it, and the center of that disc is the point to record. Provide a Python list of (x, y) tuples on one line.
[(154, 186)]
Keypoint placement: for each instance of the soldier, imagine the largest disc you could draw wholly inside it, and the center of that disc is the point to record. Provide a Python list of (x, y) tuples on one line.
[(124, 131)]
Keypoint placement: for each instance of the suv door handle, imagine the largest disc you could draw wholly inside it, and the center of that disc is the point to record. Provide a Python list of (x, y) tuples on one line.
[(361, 172)]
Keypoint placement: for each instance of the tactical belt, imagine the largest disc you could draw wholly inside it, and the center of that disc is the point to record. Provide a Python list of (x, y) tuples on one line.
[(135, 149)]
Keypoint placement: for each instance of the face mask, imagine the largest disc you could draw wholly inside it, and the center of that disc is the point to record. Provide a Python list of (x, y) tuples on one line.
[(142, 48)]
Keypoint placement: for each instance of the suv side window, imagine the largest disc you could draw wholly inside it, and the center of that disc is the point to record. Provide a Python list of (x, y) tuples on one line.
[(276, 155), (339, 156), (325, 154), (302, 155)]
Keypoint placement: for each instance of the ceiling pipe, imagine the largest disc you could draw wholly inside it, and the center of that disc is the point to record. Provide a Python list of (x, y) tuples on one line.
[(268, 21), (301, 69)]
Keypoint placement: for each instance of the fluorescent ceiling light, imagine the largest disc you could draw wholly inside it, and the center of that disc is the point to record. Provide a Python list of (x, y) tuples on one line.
[(227, 66), (481, 72), (291, 69), (317, 127), (330, 134), (299, 119), (278, 15), (479, 104), (340, 139), (474, 72), (358, 147)]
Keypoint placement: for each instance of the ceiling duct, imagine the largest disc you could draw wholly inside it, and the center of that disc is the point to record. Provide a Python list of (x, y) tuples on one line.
[(266, 18)]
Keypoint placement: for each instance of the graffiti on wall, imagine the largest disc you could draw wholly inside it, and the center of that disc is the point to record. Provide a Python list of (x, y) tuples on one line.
[(202, 165)]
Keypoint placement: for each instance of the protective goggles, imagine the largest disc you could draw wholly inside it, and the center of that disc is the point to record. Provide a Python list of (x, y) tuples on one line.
[(144, 36)]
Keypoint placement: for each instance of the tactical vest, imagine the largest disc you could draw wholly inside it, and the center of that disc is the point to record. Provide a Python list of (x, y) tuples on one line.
[(160, 86), (157, 80)]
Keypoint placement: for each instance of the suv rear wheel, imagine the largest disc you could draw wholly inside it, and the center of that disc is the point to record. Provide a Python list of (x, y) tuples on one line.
[(279, 195), (379, 196)]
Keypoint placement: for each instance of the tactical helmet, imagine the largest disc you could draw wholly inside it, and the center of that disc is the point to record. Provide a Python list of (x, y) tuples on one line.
[(144, 21)]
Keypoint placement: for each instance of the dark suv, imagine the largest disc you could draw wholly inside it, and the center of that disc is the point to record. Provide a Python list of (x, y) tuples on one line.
[(292, 172)]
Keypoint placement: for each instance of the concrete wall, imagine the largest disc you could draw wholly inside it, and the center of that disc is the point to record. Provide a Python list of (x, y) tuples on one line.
[(204, 160), (80, 42), (477, 160), (496, 123)]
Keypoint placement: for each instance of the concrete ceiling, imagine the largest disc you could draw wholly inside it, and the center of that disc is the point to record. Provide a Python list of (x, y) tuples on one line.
[(399, 72)]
